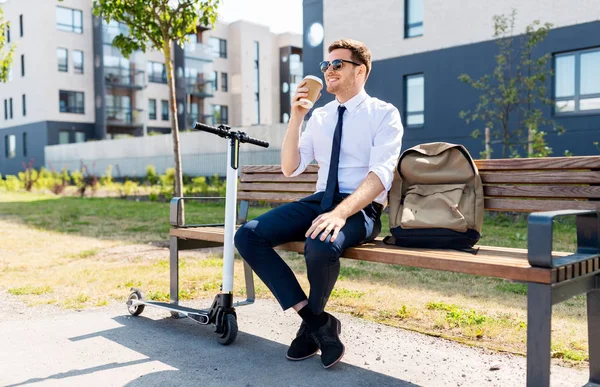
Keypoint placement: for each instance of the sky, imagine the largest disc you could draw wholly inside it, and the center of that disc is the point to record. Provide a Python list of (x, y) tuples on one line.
[(279, 15)]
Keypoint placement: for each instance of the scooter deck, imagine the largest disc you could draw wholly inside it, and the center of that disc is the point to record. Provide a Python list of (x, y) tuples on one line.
[(177, 308)]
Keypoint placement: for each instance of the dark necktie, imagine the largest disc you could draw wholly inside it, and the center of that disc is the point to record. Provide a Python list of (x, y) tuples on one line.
[(332, 177)]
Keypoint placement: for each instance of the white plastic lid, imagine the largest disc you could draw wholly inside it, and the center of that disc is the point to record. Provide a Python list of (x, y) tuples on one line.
[(314, 79)]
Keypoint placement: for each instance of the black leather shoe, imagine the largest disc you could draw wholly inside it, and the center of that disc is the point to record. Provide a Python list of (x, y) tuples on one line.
[(303, 345), (328, 339)]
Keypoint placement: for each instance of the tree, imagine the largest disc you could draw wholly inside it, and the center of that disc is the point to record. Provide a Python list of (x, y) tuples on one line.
[(6, 50), (157, 24), (512, 96)]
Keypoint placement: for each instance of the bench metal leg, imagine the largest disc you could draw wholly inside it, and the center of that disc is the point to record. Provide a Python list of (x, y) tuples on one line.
[(174, 270), (539, 321), (593, 309)]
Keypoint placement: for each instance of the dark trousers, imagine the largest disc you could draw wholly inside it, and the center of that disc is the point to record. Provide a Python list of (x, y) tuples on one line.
[(256, 239)]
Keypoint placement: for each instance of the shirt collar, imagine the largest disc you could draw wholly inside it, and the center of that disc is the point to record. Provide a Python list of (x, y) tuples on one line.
[(355, 101)]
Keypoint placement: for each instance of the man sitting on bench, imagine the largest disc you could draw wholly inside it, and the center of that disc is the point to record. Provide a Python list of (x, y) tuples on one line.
[(356, 170)]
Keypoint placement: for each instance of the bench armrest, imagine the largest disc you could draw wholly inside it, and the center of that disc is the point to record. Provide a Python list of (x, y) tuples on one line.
[(539, 237), (175, 205)]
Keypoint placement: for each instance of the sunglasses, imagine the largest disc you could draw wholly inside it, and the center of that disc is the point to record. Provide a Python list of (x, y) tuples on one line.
[(336, 64)]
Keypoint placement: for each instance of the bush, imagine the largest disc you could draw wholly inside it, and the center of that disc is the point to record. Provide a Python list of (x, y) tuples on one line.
[(106, 180), (129, 188), (62, 182), (29, 177), (151, 176), (12, 183)]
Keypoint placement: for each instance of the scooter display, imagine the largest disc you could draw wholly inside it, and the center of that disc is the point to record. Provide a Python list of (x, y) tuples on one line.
[(221, 313)]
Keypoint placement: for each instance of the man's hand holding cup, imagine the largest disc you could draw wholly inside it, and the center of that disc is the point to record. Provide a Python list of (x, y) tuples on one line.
[(307, 93)]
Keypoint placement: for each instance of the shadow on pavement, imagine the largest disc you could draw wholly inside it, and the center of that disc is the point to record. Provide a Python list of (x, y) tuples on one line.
[(199, 360)]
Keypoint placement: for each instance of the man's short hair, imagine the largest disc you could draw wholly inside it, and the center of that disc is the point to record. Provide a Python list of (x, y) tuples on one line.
[(360, 52)]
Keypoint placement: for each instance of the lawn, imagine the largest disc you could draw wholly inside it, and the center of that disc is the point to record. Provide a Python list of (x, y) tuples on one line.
[(80, 253)]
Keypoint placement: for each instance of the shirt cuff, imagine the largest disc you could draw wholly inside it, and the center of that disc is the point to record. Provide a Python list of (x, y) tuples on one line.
[(386, 176)]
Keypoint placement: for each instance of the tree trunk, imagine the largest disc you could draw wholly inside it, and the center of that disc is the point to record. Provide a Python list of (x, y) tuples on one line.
[(174, 125)]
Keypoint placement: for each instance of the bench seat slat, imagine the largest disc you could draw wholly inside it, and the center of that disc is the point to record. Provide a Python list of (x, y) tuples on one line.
[(489, 265), (280, 178), (499, 204), (312, 168), (543, 191), (554, 177), (542, 163), (278, 187), (275, 197)]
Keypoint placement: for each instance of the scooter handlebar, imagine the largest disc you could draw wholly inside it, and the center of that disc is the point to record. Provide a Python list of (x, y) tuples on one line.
[(243, 137), (211, 129)]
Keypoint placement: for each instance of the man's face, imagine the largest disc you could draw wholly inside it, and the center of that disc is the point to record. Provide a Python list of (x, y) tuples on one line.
[(344, 79)]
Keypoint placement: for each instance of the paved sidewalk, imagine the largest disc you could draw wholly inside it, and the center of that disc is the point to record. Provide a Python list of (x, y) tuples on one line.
[(108, 347)]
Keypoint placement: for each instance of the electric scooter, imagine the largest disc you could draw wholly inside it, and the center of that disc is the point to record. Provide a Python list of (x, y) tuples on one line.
[(221, 314)]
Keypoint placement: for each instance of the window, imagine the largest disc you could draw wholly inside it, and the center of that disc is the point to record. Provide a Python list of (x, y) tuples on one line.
[(24, 144), (79, 136), (157, 72), (69, 20), (10, 146), (6, 109), (224, 83), (165, 110), (7, 32), (577, 82), (10, 104), (21, 25), (415, 100), (24, 103), (152, 109), (218, 46), (221, 114), (23, 65), (216, 79), (63, 137), (78, 62), (413, 18), (256, 84), (71, 102), (62, 55)]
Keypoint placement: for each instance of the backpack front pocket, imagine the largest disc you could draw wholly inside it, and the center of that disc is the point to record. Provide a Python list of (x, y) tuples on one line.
[(434, 206)]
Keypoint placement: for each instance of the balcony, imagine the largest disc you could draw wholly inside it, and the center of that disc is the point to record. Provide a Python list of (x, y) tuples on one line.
[(128, 78), (198, 51), (199, 87), (124, 117)]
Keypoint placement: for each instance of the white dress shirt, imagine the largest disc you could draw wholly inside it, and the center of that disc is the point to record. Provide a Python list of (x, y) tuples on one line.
[(371, 141)]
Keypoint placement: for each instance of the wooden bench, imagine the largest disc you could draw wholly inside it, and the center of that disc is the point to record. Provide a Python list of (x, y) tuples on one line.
[(557, 186)]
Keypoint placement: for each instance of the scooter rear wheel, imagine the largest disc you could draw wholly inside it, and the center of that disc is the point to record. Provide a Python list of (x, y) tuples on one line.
[(230, 329)]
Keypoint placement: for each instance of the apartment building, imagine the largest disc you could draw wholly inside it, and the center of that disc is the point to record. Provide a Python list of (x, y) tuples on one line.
[(421, 47), (69, 84)]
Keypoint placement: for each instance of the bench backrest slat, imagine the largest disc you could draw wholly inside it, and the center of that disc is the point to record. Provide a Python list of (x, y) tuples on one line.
[(521, 185)]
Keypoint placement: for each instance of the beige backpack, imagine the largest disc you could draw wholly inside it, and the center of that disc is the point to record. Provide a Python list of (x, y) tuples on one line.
[(436, 199)]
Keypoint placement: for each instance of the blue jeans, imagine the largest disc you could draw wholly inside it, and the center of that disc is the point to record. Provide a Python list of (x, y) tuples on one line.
[(256, 240)]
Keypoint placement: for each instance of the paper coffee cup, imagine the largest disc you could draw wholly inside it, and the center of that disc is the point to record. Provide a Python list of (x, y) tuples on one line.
[(314, 85)]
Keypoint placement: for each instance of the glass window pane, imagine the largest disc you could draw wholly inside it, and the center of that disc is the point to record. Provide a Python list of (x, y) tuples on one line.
[(63, 60), (415, 95), (589, 104), (565, 76), (79, 137), (415, 11), (415, 119), (78, 61), (565, 106), (12, 146), (415, 31), (63, 137), (590, 73), (77, 22), (64, 19)]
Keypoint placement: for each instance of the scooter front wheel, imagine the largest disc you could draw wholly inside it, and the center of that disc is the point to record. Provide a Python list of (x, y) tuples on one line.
[(135, 310), (229, 329)]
